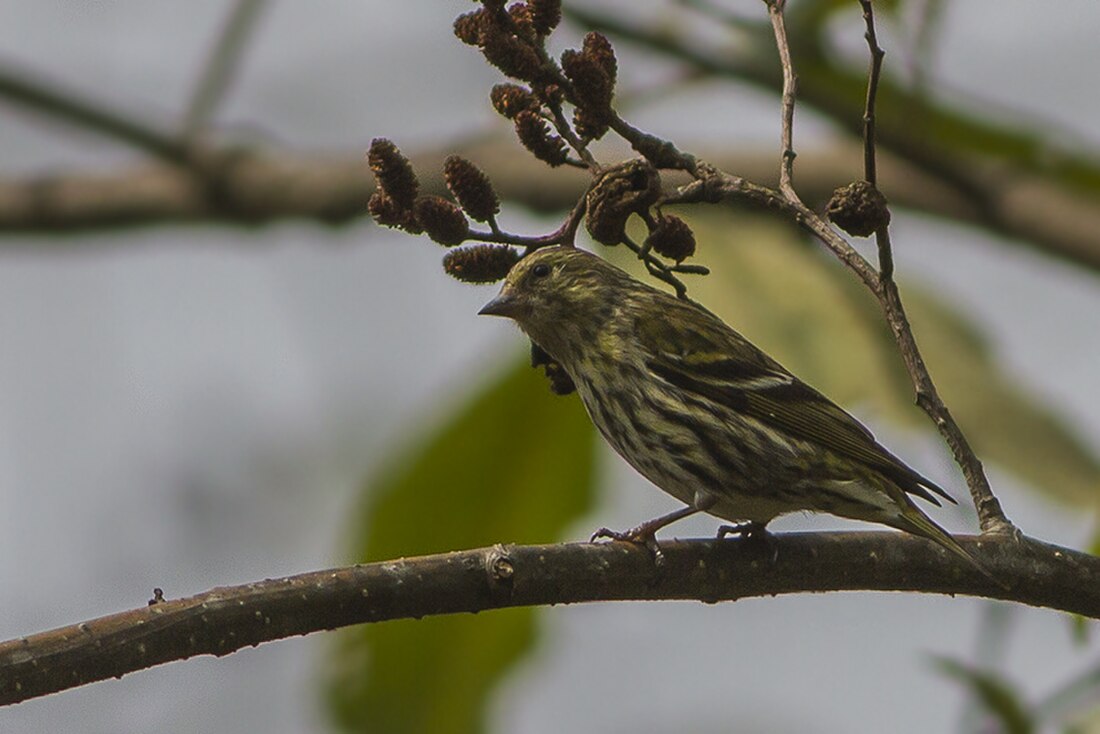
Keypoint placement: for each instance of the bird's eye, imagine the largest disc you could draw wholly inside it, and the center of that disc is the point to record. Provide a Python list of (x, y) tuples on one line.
[(541, 270)]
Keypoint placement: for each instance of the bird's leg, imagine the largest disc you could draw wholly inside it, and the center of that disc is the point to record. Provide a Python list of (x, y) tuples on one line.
[(751, 531), (646, 533)]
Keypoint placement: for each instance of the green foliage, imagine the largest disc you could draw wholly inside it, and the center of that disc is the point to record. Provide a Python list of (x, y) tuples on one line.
[(1073, 705), (998, 698), (514, 464), (1069, 708)]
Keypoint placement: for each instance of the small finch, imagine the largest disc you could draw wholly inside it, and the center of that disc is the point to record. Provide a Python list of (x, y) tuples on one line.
[(700, 411)]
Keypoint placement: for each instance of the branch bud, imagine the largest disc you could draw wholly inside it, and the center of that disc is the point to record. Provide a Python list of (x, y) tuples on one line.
[(859, 209)]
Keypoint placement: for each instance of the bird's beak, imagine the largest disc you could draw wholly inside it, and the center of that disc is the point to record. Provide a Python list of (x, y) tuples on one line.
[(505, 304)]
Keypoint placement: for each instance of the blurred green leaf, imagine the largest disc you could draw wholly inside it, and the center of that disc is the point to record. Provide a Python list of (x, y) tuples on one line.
[(795, 302), (1073, 704), (996, 696), (514, 464)]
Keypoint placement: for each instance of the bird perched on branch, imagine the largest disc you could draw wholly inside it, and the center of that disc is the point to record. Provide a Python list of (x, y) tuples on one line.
[(700, 411)]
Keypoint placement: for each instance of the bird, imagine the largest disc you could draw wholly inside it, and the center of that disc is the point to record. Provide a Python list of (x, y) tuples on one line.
[(701, 412)]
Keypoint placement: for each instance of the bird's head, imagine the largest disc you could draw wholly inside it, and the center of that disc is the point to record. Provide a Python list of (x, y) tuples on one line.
[(560, 296)]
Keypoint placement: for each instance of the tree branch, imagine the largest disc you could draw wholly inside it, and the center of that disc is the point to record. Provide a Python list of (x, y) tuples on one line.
[(21, 88), (990, 515), (241, 188), (787, 99), (873, 72), (332, 189), (226, 619), (221, 66)]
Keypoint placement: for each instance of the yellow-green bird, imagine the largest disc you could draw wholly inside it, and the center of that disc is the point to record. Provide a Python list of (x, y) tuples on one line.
[(700, 411)]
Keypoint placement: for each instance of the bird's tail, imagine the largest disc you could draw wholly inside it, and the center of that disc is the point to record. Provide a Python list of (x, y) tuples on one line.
[(912, 520)]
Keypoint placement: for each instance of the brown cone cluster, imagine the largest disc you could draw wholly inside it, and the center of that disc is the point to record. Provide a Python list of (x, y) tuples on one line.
[(442, 220), (545, 15), (534, 133), (388, 213), (480, 263), (628, 188), (391, 205), (511, 99), (592, 70), (471, 187), (671, 237), (508, 39), (513, 40)]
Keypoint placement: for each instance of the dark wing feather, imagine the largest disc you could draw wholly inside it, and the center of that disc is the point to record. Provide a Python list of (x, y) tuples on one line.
[(722, 366)]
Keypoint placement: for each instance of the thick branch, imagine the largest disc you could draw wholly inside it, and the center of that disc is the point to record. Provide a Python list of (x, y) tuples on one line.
[(226, 619), (334, 189), (243, 189)]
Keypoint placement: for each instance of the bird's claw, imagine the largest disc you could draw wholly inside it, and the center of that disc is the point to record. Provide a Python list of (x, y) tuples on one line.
[(745, 530), (751, 532), (640, 535)]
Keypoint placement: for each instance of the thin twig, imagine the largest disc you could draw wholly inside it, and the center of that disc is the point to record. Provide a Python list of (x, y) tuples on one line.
[(990, 515), (870, 170), (790, 92), (22, 88), (656, 268), (566, 131), (227, 619), (221, 66), (564, 235), (873, 73)]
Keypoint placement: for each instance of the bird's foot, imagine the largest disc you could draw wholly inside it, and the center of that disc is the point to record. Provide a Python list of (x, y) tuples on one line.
[(751, 532), (643, 535), (646, 533)]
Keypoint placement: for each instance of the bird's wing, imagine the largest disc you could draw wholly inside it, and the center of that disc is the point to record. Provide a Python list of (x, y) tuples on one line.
[(701, 355)]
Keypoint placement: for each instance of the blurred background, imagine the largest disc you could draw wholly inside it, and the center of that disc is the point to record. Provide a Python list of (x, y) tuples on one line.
[(197, 397)]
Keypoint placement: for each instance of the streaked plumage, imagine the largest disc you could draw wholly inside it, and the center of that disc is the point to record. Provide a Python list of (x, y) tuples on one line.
[(699, 410)]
